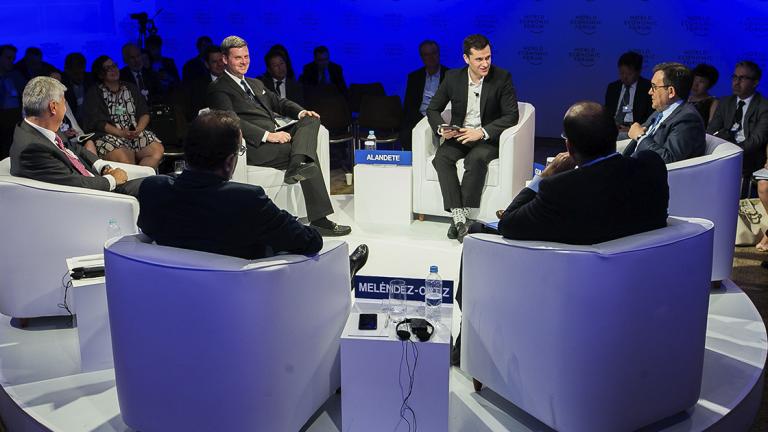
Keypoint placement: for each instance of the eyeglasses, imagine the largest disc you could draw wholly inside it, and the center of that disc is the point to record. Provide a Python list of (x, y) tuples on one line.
[(242, 150), (654, 87), (741, 78), (562, 135)]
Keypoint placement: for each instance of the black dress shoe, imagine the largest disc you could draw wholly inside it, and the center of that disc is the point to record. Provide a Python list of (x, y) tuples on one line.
[(452, 233), (301, 172), (456, 352), (336, 231), (461, 231), (357, 259)]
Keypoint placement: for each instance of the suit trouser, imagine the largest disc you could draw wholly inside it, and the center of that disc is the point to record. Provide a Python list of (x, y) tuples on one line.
[(131, 187), (477, 156), (303, 142)]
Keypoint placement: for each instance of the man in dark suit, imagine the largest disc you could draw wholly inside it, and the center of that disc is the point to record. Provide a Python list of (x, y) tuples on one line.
[(627, 98), (276, 78), (483, 105), (322, 71), (195, 68), (742, 118), (38, 153), (164, 67), (422, 85), (77, 81), (202, 210), (676, 130), (144, 78), (294, 150), (197, 89), (11, 87)]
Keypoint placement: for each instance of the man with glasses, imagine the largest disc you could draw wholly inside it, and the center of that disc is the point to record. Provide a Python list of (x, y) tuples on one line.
[(742, 118), (675, 131)]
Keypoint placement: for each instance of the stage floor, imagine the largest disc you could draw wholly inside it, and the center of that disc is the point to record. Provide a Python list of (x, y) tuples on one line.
[(45, 390)]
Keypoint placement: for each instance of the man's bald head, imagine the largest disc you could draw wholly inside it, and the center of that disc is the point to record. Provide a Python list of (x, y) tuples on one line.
[(590, 130)]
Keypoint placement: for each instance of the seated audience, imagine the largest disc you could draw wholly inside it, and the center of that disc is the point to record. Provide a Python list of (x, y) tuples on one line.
[(77, 81), (560, 204), (704, 78), (118, 116), (276, 78), (477, 142), (322, 71), (627, 98), (675, 131), (197, 88), (203, 210), (11, 88), (288, 65), (742, 118), (134, 72), (165, 67), (422, 85), (38, 152), (32, 64), (293, 150), (195, 68), (70, 131)]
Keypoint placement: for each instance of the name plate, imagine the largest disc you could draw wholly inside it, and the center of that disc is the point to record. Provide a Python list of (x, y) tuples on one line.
[(537, 168), (383, 157), (377, 287)]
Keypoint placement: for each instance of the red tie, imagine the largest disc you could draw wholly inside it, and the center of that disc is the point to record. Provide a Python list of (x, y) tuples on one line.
[(72, 158)]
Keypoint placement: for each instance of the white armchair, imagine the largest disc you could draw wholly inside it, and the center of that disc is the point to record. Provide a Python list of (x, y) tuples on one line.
[(506, 175), (608, 337), (206, 342), (41, 225)]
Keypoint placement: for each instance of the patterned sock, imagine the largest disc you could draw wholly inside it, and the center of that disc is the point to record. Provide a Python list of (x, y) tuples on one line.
[(458, 215), (466, 212)]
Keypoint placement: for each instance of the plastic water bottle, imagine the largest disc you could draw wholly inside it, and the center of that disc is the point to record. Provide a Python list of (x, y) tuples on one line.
[(113, 229), (433, 295), (370, 141)]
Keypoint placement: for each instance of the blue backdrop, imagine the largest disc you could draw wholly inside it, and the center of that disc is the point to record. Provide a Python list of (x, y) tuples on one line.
[(558, 51)]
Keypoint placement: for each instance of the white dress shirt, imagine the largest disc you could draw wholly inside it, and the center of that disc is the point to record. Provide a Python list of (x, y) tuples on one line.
[(740, 136), (474, 92), (628, 117)]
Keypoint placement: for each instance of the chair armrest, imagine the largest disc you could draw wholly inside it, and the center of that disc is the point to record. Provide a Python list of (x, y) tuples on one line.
[(134, 171), (621, 145), (516, 152)]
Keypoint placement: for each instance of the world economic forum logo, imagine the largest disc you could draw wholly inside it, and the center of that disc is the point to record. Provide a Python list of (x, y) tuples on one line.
[(641, 24), (587, 24), (697, 25), (203, 18), (309, 21), (237, 19), (695, 56), (534, 23), (586, 57), (488, 23), (533, 54), (393, 21), (756, 26), (351, 50), (393, 50), (758, 56)]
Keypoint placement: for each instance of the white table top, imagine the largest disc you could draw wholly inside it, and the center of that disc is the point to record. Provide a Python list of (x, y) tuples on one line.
[(385, 332), (86, 261)]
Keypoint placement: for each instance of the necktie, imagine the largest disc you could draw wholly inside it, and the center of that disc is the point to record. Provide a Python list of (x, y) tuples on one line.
[(739, 117), (140, 81), (620, 114), (72, 158), (278, 83), (248, 90)]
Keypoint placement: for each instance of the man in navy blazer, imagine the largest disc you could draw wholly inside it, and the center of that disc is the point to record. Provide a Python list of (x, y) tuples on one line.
[(676, 130), (421, 87)]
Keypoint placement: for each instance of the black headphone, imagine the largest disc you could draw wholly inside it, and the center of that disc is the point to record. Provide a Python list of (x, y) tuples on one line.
[(420, 327)]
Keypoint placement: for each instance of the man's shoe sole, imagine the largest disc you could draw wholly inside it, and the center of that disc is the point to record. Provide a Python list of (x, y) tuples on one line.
[(304, 173)]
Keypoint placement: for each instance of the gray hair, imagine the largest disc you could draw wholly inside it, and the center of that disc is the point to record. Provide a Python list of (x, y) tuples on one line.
[(39, 92), (232, 42)]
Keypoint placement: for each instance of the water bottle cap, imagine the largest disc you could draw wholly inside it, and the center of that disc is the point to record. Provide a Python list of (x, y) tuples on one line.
[(370, 132), (112, 221), (433, 269)]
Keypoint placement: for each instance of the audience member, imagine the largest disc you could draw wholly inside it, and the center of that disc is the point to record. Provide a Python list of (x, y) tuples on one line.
[(118, 116), (203, 210), (560, 204), (742, 118), (322, 71), (38, 153), (11, 88), (165, 67), (627, 98), (288, 65), (134, 72), (481, 125), (197, 88), (276, 78), (70, 131), (77, 82), (704, 78), (32, 64), (422, 85), (675, 131), (294, 150), (195, 68)]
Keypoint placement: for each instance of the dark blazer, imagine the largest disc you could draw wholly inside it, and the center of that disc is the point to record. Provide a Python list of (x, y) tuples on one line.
[(641, 107), (151, 82), (293, 89), (498, 101), (205, 212), (194, 69), (613, 198), (71, 97), (196, 91), (35, 156), (414, 92), (255, 117), (335, 75), (95, 112), (679, 136), (755, 129)]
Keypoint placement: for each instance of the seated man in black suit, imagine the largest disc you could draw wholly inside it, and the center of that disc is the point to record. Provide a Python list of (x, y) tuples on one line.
[(276, 78), (77, 81), (38, 153), (195, 68), (590, 194), (676, 130), (165, 67), (197, 88), (294, 150), (422, 85), (322, 71), (483, 105), (627, 98), (202, 210), (742, 118), (144, 78)]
